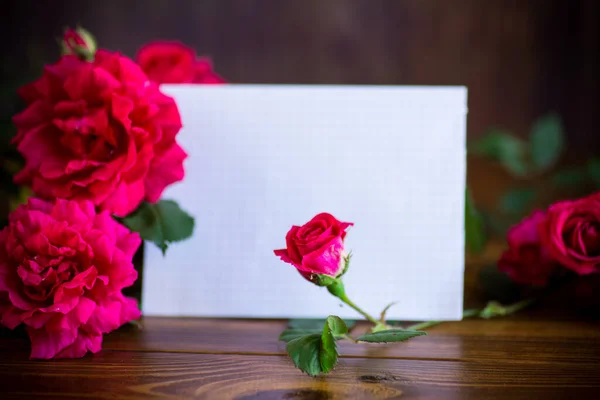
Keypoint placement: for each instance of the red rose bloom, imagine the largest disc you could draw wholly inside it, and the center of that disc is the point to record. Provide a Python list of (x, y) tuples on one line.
[(572, 234), (62, 269), (172, 62), (98, 131), (317, 247), (527, 261)]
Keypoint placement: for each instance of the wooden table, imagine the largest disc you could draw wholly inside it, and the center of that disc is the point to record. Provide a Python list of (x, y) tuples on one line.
[(530, 355)]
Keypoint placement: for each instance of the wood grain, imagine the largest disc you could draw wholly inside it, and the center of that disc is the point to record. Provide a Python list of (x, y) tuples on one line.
[(526, 356), (129, 375), (500, 340)]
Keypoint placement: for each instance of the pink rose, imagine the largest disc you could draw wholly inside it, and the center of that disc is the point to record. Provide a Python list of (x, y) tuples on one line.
[(98, 131), (572, 234), (527, 261), (62, 268), (172, 62), (317, 247)]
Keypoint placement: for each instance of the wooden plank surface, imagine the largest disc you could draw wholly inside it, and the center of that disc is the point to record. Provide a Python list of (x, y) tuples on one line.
[(527, 356), (551, 341), (126, 375)]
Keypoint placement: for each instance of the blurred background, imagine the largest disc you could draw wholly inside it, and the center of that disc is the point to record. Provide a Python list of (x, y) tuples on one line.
[(531, 68)]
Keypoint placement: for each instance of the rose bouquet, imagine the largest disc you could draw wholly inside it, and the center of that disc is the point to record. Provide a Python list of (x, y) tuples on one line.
[(98, 141)]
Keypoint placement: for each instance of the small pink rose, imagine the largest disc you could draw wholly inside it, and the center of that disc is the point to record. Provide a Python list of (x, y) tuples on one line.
[(317, 247)]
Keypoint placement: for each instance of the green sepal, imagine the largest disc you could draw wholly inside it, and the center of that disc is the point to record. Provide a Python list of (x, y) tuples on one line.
[(346, 265), (321, 279)]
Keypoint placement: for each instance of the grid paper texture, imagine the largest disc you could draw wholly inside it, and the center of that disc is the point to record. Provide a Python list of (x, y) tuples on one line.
[(265, 157)]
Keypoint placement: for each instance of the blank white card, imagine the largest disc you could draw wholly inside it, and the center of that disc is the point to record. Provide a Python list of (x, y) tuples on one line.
[(262, 158)]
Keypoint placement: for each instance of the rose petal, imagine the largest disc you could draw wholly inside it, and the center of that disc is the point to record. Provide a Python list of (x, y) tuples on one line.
[(46, 345), (83, 343), (163, 172), (326, 260)]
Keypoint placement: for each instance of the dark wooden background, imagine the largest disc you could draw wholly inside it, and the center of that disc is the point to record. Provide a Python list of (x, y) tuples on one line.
[(518, 58)]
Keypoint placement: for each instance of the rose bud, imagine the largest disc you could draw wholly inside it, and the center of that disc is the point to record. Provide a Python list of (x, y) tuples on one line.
[(78, 42), (316, 249)]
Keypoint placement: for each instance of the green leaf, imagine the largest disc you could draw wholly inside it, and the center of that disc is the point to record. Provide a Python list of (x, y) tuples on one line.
[(495, 309), (503, 147), (573, 177), (390, 335), (315, 324), (475, 236), (593, 168), (306, 323), (162, 223), (329, 355), (314, 353), (290, 334), (336, 326), (304, 352), (517, 201), (547, 141)]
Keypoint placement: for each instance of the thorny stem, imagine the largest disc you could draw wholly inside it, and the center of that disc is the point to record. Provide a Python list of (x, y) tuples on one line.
[(349, 302), (337, 289), (508, 310)]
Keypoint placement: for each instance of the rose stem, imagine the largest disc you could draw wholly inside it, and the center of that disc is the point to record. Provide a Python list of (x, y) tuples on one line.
[(508, 310), (337, 289)]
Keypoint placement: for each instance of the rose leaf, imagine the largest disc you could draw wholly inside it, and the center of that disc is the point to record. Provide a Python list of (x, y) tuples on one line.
[(304, 352), (389, 335), (329, 355), (547, 141), (593, 169), (290, 334), (161, 223), (312, 323), (502, 146), (316, 353), (475, 235)]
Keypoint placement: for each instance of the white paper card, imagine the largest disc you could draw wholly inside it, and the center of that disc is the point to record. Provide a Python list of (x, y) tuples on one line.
[(265, 157)]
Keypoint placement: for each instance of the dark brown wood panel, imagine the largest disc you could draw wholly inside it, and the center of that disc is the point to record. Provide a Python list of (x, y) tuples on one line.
[(519, 58), (132, 375), (501, 340)]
